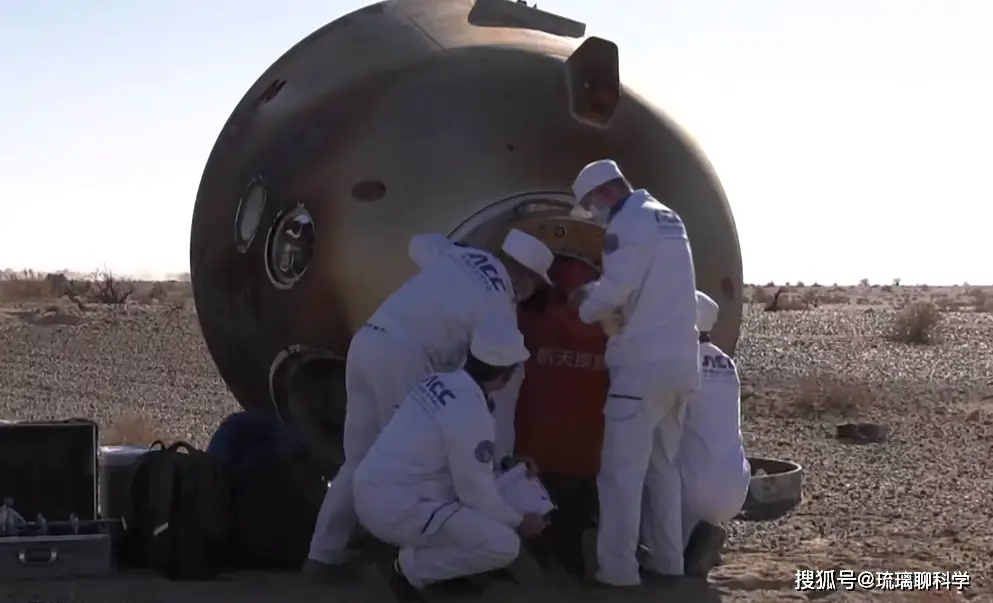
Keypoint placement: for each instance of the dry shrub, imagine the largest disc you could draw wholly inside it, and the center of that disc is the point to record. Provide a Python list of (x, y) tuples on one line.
[(105, 288), (784, 300), (761, 296), (916, 323), (158, 292), (961, 303), (147, 293), (131, 430), (825, 395), (818, 297), (981, 301), (25, 285)]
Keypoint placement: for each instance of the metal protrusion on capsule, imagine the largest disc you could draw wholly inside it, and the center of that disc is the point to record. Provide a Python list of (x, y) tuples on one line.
[(42, 524), (74, 523), (593, 81)]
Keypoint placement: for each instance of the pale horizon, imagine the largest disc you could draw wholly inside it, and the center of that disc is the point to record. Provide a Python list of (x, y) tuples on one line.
[(851, 137)]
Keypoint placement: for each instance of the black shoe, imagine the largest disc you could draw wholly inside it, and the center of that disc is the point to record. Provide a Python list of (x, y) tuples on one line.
[(467, 586), (654, 578), (587, 548), (331, 573), (402, 589), (595, 584), (704, 549)]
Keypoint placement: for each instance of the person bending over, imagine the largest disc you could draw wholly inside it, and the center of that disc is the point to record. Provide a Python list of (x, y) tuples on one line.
[(423, 327)]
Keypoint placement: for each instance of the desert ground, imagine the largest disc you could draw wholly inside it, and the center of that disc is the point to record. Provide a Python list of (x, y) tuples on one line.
[(915, 359)]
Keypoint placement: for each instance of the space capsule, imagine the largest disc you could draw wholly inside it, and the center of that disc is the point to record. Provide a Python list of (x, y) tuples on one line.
[(465, 117)]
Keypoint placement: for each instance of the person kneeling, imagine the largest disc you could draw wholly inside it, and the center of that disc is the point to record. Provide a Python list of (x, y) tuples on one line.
[(428, 487), (714, 469)]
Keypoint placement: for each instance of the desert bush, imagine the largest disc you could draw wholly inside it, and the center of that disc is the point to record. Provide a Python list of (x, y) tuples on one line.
[(948, 304), (784, 300), (25, 285), (823, 395), (916, 323), (105, 288), (761, 296), (817, 297), (146, 293), (131, 430), (102, 287), (981, 301), (158, 292)]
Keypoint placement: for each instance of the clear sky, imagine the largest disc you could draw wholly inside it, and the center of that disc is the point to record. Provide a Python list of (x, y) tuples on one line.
[(851, 135)]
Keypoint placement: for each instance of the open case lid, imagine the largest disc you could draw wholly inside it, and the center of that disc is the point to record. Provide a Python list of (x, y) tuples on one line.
[(50, 468)]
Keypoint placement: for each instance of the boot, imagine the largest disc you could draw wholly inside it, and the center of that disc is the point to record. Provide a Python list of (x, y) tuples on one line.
[(333, 573), (402, 589), (703, 551)]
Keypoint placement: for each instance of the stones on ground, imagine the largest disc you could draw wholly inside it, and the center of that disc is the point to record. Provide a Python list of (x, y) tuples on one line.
[(862, 433)]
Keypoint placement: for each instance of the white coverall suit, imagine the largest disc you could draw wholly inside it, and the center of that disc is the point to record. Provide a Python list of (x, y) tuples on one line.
[(424, 326), (428, 485), (712, 459), (648, 278)]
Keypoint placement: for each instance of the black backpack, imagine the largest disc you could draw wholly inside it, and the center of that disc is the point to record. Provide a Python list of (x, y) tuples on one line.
[(275, 508), (180, 520)]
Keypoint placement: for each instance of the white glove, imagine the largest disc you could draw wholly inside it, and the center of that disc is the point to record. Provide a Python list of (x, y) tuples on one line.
[(613, 323), (10, 520)]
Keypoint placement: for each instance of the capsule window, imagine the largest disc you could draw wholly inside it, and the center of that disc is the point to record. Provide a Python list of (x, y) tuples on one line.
[(249, 214), (290, 247)]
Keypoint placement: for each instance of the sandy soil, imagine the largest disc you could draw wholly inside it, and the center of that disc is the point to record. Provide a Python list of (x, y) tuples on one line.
[(922, 501)]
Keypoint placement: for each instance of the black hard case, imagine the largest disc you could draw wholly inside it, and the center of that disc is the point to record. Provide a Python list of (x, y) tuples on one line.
[(50, 468)]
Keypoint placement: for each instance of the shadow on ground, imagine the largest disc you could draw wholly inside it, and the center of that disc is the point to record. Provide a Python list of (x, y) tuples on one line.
[(258, 587)]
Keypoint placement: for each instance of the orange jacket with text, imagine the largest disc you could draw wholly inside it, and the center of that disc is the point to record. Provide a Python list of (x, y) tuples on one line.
[(559, 421)]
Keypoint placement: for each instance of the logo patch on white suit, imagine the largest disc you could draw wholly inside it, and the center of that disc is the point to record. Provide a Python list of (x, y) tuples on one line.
[(669, 224), (485, 451)]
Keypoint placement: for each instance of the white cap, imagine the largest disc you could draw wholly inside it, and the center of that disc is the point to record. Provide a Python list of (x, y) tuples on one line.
[(497, 345), (530, 252), (593, 175), (706, 312)]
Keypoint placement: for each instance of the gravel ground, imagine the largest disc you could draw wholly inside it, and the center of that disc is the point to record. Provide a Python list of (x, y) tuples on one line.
[(922, 501)]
